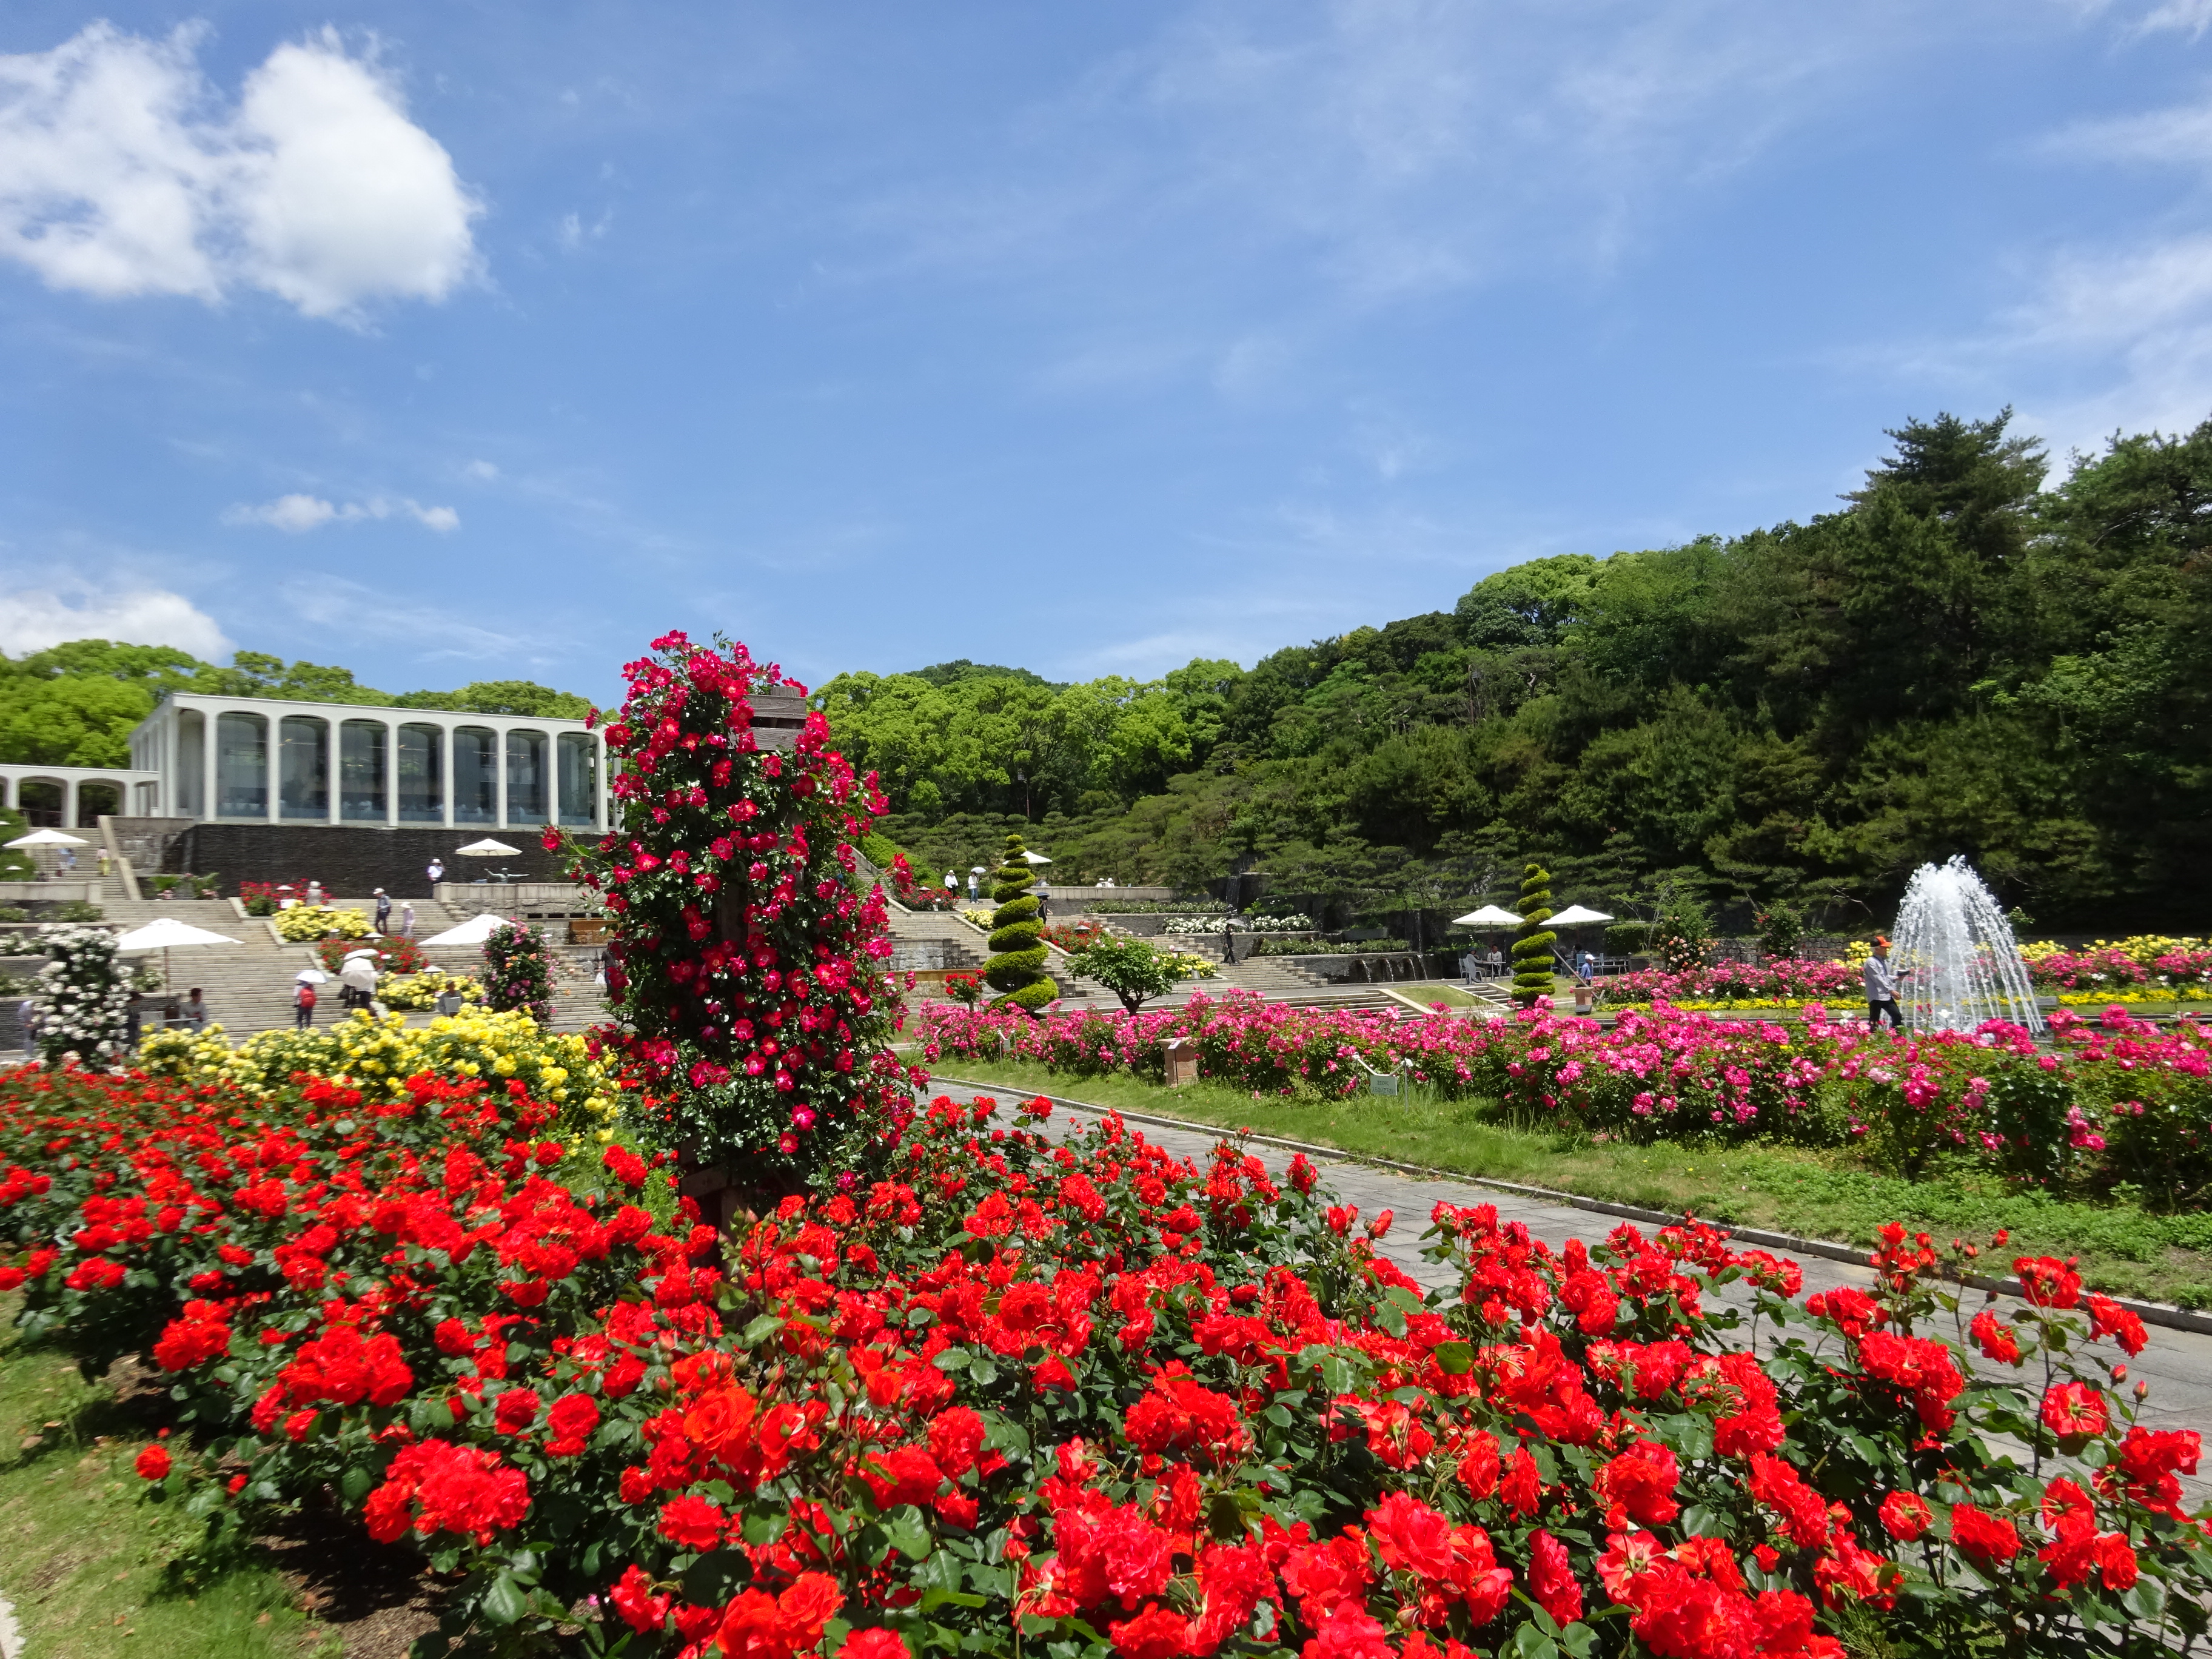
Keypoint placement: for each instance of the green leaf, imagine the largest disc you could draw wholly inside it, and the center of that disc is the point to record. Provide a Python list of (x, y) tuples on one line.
[(714, 1579), (504, 1602), (1578, 1639), (908, 1532), (2145, 1598), (355, 1484), (1529, 1642), (1699, 1522), (1455, 1359), (760, 1329), (952, 1359)]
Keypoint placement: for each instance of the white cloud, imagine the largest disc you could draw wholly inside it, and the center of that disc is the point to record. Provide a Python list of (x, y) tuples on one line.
[(32, 619), (296, 514), (120, 174), (329, 601), (2180, 137), (482, 472)]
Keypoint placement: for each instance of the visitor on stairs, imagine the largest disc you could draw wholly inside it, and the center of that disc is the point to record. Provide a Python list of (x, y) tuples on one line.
[(437, 873), (1881, 989), (1229, 942), (195, 1012), (383, 910), (303, 1007), (407, 919)]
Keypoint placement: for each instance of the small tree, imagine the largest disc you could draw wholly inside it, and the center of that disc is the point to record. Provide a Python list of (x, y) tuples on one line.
[(1683, 933), (519, 971), (1533, 941), (1780, 928), (1016, 969), (82, 1004), (1134, 969)]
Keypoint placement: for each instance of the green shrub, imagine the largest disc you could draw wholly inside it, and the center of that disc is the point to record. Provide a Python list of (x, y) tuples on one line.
[(1627, 938), (1532, 943), (1016, 969)]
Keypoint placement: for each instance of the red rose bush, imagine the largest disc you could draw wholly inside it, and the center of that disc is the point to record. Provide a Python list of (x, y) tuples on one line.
[(743, 970), (1072, 1397)]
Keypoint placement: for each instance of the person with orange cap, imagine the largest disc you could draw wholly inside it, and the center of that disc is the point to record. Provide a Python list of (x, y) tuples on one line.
[(1881, 989)]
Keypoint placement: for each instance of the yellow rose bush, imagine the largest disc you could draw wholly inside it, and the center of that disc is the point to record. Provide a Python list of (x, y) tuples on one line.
[(376, 1056), (303, 924), (418, 993)]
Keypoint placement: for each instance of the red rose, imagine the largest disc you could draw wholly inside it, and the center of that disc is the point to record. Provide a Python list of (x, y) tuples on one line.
[(154, 1463), (1906, 1515), (691, 1521)]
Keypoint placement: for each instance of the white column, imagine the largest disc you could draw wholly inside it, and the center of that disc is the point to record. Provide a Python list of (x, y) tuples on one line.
[(68, 804), (332, 770), (167, 793), (391, 775), (272, 765), (499, 770), (446, 778), (599, 777), (208, 813)]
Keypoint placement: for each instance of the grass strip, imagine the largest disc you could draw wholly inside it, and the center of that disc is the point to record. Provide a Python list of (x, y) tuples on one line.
[(85, 1560), (2124, 1250)]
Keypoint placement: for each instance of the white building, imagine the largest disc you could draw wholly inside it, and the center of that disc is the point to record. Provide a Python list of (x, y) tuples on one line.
[(74, 796), (267, 760)]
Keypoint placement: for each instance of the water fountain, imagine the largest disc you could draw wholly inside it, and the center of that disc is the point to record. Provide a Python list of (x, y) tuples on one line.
[(1957, 962)]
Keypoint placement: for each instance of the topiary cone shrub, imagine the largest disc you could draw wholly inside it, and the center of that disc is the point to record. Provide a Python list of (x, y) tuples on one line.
[(1016, 969), (742, 964), (1532, 943)]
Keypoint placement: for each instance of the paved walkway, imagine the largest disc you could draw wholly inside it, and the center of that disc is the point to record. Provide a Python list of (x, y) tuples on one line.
[(2177, 1364)]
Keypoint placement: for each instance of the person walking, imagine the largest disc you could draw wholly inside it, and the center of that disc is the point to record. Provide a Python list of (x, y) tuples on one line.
[(383, 911), (195, 1013), (1229, 942), (1881, 989), (26, 1021), (407, 919), (303, 1007), (437, 873), (314, 893)]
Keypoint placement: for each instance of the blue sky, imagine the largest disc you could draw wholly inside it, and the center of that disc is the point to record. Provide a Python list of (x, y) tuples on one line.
[(463, 340)]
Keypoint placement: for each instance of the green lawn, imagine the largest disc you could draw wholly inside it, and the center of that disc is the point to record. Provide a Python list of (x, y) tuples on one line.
[(85, 1560), (1431, 991), (2123, 1249)]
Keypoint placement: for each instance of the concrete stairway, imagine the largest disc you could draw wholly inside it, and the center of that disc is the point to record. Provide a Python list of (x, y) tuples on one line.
[(247, 987)]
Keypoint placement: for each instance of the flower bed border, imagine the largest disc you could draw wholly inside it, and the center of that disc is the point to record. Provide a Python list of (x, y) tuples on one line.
[(2152, 1313)]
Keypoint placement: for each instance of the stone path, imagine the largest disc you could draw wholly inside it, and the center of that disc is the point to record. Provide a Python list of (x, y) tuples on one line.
[(2177, 1364)]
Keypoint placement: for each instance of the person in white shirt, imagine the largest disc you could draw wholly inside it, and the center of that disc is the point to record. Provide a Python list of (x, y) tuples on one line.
[(1881, 989)]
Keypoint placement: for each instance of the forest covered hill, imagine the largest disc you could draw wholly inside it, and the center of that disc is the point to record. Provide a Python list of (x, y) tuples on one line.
[(77, 704), (1966, 655)]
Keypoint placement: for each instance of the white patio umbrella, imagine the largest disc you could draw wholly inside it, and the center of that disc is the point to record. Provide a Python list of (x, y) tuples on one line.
[(1489, 917), (1577, 915), (475, 931), (166, 935), (489, 848), (49, 838), (1034, 858)]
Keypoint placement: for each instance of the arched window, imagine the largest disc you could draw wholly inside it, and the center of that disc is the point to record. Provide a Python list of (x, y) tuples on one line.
[(93, 799), (525, 777), (241, 766), (304, 768), (580, 777), (476, 775), (421, 774), (361, 773), (191, 764), (40, 801)]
